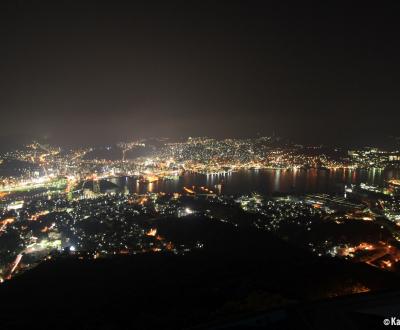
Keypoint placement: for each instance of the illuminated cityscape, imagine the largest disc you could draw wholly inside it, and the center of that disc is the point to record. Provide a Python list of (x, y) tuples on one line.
[(73, 202), (199, 165)]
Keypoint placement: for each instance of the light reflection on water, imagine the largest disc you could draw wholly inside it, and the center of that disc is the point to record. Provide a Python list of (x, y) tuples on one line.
[(266, 181)]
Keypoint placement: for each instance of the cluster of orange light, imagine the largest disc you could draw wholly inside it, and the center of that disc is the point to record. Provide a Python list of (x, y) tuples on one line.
[(361, 246), (36, 216), (5, 222), (151, 178), (190, 191), (152, 232), (143, 200), (42, 158), (387, 263), (169, 246), (91, 177), (365, 246)]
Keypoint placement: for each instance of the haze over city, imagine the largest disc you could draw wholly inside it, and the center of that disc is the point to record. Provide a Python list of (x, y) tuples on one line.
[(324, 72)]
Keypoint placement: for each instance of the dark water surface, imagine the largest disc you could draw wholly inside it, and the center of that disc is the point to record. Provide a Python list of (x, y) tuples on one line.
[(266, 181)]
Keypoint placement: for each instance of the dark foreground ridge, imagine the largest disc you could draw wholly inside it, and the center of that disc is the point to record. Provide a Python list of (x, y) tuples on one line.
[(243, 278)]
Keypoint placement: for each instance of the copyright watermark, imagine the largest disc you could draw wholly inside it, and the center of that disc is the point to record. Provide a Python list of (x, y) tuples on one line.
[(392, 321)]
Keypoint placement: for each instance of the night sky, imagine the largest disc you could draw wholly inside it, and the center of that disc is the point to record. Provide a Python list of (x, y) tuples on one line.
[(81, 71)]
